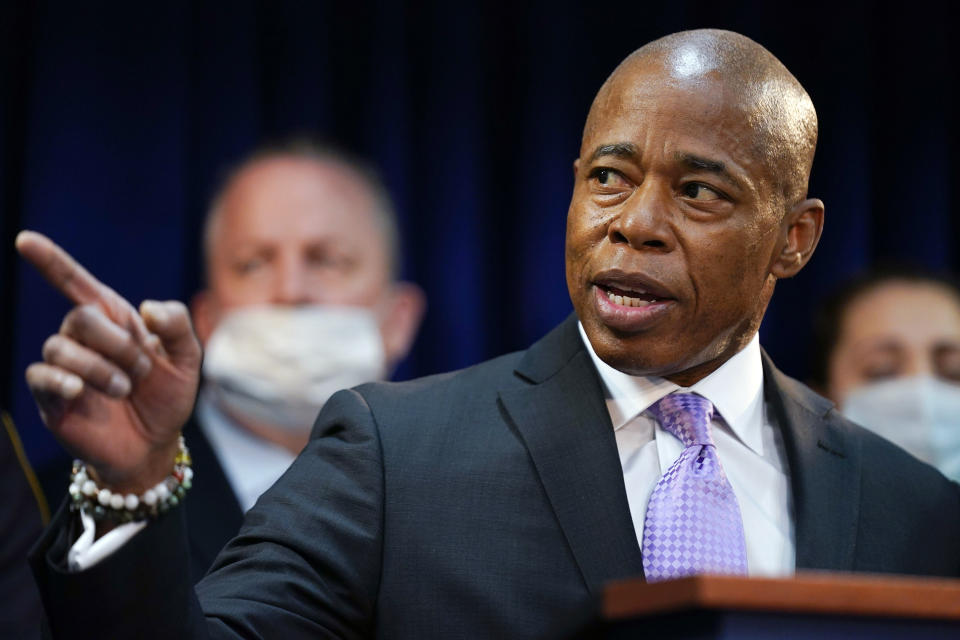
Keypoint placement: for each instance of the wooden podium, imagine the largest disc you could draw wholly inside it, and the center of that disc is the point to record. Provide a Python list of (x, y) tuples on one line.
[(811, 605)]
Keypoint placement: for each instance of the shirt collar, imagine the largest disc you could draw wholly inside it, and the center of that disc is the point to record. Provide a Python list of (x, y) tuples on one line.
[(735, 389)]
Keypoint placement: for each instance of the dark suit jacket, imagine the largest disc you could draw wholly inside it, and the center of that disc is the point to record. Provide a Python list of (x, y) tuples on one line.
[(22, 518), (213, 513), (484, 503)]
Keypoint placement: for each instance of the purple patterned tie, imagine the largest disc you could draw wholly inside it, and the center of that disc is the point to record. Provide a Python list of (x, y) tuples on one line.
[(693, 522)]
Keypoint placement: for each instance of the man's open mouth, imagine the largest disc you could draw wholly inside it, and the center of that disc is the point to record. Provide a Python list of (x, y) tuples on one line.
[(631, 297)]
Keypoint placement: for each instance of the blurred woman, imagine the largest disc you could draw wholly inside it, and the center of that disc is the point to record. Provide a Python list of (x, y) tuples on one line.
[(888, 353)]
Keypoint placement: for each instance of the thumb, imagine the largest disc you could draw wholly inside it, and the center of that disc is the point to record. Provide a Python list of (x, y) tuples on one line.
[(170, 321)]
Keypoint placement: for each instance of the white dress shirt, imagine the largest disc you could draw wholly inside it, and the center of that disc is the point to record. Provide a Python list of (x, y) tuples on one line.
[(750, 450), (250, 463)]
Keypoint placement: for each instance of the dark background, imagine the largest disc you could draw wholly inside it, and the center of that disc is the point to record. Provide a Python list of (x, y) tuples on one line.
[(117, 119)]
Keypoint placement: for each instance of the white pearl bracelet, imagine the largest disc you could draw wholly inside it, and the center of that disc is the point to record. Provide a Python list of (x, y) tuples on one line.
[(103, 504)]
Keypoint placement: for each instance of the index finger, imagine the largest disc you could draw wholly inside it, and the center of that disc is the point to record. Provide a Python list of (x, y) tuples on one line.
[(60, 269), (76, 283)]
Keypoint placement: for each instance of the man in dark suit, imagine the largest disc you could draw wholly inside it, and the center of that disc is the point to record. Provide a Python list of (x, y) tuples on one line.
[(496, 500)]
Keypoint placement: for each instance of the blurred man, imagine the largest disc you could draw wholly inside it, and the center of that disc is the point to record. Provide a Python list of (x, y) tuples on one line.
[(888, 353), (493, 501), (301, 253)]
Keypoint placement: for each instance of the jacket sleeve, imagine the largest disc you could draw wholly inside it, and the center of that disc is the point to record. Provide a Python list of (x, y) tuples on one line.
[(306, 562)]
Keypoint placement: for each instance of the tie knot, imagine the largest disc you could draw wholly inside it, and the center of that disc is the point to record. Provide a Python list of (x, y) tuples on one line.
[(687, 416)]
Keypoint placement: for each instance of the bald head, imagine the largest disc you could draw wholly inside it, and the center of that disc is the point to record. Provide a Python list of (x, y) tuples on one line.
[(331, 178), (735, 72)]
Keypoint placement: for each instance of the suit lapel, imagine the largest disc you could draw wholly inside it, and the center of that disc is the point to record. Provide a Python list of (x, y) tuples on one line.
[(564, 423), (824, 463)]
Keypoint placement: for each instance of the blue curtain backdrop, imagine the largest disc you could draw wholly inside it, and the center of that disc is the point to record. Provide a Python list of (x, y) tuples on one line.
[(117, 119)]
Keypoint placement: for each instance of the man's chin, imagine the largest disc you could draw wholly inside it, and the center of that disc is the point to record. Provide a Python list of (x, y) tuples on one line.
[(638, 355), (641, 367)]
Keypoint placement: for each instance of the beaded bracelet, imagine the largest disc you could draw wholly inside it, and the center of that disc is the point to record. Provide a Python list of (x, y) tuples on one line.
[(103, 504)]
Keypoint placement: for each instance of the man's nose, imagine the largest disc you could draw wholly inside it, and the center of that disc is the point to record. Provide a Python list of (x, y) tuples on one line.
[(292, 285), (644, 219), (920, 363)]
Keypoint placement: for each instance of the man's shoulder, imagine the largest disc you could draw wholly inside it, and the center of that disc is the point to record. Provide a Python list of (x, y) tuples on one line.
[(471, 396), (882, 456), (483, 381), (882, 461), (474, 382), (887, 464), (406, 421), (823, 417)]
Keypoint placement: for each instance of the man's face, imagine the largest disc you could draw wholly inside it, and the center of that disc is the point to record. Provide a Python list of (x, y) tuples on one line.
[(293, 231), (672, 228)]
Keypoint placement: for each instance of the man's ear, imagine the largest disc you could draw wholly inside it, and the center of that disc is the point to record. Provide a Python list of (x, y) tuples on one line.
[(801, 227), (205, 314), (401, 320)]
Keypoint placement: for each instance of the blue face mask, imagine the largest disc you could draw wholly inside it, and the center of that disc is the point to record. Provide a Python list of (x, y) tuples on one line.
[(921, 414)]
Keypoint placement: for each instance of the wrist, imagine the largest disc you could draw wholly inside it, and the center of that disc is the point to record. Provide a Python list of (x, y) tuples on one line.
[(153, 469), (130, 502)]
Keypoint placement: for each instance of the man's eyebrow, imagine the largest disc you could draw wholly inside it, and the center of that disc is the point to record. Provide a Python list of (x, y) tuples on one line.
[(879, 344), (620, 150), (944, 348), (712, 166)]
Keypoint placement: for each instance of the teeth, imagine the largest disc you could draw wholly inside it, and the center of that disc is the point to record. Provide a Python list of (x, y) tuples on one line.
[(627, 301)]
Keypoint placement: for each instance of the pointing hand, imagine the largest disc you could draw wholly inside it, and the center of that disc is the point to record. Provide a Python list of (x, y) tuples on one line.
[(115, 385)]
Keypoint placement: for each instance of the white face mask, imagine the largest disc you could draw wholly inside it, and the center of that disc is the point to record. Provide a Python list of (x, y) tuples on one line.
[(279, 365), (921, 414)]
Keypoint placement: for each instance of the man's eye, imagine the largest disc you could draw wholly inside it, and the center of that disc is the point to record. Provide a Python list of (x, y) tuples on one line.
[(329, 260), (697, 191), (608, 177), (946, 361), (248, 265), (880, 372)]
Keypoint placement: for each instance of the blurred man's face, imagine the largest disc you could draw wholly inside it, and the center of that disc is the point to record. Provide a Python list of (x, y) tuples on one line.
[(293, 231), (895, 330), (672, 228)]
